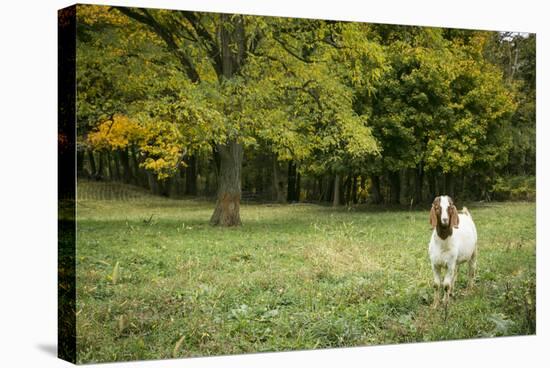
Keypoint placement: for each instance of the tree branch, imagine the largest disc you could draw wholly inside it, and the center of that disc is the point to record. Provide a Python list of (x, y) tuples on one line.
[(208, 40), (291, 52), (312, 92), (146, 18)]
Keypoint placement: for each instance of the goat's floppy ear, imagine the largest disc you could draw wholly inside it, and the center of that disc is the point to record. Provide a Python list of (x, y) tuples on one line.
[(433, 217), (454, 217)]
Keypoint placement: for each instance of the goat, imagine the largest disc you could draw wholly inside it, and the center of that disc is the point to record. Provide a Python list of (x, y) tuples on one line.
[(453, 242)]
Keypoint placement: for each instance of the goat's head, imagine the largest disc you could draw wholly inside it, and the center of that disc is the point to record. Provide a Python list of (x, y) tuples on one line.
[(443, 213)]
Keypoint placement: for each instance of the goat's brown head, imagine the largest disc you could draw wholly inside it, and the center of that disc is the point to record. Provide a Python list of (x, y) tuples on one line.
[(443, 214)]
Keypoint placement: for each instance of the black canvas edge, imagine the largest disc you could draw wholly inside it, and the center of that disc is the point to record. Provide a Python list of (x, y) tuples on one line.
[(66, 187)]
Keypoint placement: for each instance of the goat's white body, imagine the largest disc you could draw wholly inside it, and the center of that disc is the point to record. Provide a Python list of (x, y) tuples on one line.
[(449, 253), (457, 248)]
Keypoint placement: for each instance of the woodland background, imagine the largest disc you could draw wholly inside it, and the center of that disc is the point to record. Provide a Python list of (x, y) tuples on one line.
[(293, 110)]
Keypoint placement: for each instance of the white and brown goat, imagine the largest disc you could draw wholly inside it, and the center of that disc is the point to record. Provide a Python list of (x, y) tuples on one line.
[(453, 242)]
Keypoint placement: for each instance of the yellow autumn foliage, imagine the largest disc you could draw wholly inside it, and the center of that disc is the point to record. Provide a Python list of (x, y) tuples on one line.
[(162, 147), (100, 14), (159, 142), (116, 133)]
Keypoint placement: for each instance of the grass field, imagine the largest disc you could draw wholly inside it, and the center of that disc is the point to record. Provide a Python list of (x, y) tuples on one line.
[(155, 281)]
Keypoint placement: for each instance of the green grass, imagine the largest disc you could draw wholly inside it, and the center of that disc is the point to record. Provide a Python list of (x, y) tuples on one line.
[(292, 277)]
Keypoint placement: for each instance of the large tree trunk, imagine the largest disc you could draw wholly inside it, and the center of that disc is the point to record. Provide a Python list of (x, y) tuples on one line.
[(229, 185), (377, 197), (232, 50)]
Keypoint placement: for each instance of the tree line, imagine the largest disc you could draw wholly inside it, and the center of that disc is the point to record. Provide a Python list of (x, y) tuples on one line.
[(279, 109)]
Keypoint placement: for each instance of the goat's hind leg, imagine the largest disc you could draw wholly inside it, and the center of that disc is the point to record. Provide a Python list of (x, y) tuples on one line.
[(472, 268)]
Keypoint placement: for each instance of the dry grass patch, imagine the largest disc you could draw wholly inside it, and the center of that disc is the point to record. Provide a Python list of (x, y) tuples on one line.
[(338, 257)]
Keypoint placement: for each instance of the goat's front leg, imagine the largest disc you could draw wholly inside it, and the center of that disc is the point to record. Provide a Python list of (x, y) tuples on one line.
[(448, 282), (455, 277), (437, 285)]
